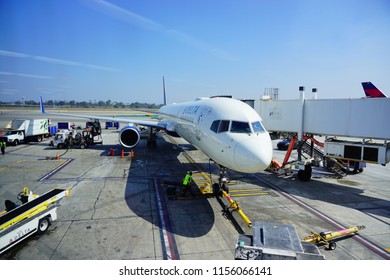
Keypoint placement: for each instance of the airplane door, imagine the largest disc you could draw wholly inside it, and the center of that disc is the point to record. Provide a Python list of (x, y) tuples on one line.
[(198, 131)]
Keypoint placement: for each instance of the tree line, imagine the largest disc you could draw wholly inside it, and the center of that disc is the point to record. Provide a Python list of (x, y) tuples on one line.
[(82, 104)]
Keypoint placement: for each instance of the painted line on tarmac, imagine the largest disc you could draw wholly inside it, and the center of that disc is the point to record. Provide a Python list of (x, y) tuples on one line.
[(168, 242), (55, 170), (368, 244)]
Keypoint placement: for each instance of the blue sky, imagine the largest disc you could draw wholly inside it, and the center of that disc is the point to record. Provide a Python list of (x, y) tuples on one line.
[(121, 49)]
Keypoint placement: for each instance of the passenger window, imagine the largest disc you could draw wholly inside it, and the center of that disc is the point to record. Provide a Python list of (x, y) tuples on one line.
[(240, 127), (224, 126), (214, 126), (258, 127)]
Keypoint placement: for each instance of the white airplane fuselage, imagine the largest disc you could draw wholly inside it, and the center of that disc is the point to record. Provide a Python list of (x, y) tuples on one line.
[(227, 130)]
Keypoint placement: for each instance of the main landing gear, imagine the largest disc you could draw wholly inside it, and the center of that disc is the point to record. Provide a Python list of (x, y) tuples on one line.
[(152, 139), (222, 184)]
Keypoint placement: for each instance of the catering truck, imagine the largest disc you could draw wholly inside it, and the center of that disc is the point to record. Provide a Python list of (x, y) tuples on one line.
[(18, 131)]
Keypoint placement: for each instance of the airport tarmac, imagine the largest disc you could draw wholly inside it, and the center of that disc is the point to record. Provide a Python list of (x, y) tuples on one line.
[(119, 209)]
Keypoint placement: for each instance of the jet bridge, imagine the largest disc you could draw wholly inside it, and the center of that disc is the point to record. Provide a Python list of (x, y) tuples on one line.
[(365, 119)]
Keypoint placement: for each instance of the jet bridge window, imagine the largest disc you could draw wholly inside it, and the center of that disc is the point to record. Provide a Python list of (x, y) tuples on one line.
[(258, 127), (240, 127)]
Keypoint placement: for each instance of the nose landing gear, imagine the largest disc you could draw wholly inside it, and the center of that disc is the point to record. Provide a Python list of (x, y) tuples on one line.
[(222, 184)]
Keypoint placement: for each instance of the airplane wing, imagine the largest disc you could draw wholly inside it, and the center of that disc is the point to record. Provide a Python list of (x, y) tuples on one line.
[(148, 123)]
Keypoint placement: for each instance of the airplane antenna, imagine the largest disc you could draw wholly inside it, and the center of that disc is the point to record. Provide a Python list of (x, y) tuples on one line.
[(165, 97)]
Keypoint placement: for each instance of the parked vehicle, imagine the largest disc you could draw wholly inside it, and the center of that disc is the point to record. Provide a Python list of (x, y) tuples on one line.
[(66, 138), (18, 131), (283, 145), (60, 138)]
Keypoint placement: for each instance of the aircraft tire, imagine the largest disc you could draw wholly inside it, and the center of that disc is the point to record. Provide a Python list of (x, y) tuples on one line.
[(225, 187), (305, 175), (216, 190)]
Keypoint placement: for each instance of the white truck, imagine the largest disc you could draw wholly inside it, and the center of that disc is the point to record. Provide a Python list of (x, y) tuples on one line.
[(61, 138), (18, 131)]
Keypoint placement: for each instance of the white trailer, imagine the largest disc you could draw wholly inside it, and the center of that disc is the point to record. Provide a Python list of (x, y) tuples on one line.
[(18, 131), (34, 216)]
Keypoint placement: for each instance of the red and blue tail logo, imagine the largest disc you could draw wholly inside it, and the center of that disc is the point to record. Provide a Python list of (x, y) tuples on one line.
[(371, 91)]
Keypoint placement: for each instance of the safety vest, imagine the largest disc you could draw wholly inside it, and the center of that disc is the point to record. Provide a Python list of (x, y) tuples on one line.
[(187, 179)]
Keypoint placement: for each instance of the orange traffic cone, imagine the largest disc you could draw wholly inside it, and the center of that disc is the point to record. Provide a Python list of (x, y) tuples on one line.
[(57, 156), (123, 154)]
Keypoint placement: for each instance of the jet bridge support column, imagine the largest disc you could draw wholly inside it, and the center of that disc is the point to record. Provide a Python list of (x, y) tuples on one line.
[(302, 103), (304, 173)]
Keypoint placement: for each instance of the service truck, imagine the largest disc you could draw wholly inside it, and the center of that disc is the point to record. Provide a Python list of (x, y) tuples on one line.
[(60, 138), (18, 131), (66, 138)]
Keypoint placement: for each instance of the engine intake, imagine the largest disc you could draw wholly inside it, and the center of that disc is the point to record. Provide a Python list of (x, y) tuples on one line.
[(129, 137)]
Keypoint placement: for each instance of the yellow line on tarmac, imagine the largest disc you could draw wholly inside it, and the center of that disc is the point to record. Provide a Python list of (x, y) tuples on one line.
[(247, 190), (12, 164), (58, 165), (247, 194)]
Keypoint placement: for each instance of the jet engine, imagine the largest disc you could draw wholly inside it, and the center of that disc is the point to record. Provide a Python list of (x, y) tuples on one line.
[(129, 137)]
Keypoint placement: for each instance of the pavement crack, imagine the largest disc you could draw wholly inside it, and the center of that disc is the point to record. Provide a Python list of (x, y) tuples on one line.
[(97, 199), (59, 243)]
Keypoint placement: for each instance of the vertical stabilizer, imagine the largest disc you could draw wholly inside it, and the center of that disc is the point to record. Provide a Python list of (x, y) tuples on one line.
[(41, 105), (165, 97), (372, 91)]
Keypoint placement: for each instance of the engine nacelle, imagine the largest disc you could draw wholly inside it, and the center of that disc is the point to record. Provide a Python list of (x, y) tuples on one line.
[(129, 137)]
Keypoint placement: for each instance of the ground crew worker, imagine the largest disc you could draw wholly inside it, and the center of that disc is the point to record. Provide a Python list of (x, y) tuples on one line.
[(186, 184), (2, 146)]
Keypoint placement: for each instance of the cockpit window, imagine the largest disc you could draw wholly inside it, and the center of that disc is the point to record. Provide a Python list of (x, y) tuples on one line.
[(224, 126), (220, 126), (258, 127), (240, 127), (214, 126)]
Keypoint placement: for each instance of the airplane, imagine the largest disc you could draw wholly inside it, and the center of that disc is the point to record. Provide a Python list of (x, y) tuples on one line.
[(227, 130), (372, 91)]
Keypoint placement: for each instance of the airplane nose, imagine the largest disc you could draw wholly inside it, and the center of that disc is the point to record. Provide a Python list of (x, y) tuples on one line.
[(254, 154)]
